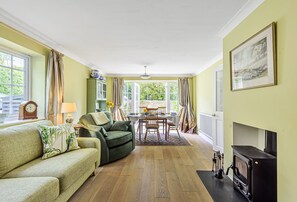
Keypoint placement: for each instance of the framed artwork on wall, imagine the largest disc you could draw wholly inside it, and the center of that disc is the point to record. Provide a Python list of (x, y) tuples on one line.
[(253, 63)]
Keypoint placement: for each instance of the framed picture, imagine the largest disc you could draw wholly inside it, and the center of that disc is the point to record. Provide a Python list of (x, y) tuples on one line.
[(253, 63)]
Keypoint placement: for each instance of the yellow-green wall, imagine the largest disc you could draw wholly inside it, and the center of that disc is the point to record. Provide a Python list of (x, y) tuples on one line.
[(75, 81), (273, 108), (204, 86), (75, 73)]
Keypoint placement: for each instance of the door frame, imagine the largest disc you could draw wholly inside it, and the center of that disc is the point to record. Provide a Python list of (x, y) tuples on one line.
[(216, 114)]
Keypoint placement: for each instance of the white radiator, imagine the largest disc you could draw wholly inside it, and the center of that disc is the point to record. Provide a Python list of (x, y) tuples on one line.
[(205, 124)]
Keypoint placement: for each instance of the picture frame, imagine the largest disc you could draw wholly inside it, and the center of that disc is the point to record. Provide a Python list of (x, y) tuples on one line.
[(253, 62)]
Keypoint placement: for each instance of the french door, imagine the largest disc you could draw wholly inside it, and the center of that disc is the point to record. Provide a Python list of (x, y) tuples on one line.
[(135, 97)]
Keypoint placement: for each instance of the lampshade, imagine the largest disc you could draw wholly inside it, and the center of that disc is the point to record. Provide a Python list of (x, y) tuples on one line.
[(68, 107)]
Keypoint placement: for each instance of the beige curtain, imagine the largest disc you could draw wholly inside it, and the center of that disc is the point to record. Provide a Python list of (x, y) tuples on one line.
[(55, 87), (118, 89), (187, 122)]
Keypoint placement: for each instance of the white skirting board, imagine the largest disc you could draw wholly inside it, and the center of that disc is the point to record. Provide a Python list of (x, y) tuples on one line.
[(205, 137)]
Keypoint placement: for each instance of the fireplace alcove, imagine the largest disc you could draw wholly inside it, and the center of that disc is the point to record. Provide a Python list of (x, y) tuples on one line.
[(254, 163)]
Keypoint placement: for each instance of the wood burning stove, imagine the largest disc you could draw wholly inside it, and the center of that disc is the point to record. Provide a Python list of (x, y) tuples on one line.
[(254, 171)]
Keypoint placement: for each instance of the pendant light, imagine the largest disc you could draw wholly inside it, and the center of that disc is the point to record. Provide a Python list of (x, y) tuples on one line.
[(145, 76)]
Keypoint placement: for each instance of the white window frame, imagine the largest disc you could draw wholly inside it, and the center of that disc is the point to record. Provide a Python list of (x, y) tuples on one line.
[(167, 93), (27, 75)]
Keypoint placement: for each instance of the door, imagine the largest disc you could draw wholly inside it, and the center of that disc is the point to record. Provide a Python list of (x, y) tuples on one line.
[(136, 97), (217, 117)]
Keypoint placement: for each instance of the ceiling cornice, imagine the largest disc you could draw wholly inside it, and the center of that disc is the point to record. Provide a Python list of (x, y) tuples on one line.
[(210, 63), (152, 75), (19, 25), (243, 12)]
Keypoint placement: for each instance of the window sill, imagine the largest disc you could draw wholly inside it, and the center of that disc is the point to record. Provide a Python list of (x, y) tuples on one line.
[(18, 122)]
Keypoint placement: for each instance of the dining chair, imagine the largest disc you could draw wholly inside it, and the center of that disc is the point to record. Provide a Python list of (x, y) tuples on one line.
[(151, 123), (172, 126)]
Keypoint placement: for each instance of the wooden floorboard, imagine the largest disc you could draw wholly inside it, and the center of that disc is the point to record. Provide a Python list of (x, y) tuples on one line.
[(152, 173)]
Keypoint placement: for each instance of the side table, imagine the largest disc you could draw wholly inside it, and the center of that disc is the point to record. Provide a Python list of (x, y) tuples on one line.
[(77, 127)]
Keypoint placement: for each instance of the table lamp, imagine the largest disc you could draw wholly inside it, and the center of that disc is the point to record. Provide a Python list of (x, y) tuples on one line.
[(68, 107)]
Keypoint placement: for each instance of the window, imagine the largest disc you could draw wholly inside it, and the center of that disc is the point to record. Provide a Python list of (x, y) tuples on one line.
[(150, 93), (14, 82)]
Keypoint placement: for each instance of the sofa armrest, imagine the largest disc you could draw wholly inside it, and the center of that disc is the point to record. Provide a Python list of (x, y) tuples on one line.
[(87, 142)]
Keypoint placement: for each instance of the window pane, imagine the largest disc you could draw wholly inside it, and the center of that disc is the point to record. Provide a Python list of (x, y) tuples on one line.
[(4, 99), (173, 90), (4, 75), (18, 63), (17, 91), (16, 101), (12, 84), (152, 91), (18, 77), (4, 90), (5, 59)]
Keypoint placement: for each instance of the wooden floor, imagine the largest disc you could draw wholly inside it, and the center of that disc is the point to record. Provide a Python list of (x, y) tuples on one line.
[(152, 173)]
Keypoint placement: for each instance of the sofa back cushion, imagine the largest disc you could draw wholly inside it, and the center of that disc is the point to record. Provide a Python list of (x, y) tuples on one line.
[(19, 145)]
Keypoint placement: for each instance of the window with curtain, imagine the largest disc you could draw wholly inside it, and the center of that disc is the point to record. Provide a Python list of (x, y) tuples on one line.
[(139, 94), (14, 82)]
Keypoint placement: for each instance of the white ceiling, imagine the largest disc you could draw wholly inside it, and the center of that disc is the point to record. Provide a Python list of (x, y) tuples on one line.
[(121, 36)]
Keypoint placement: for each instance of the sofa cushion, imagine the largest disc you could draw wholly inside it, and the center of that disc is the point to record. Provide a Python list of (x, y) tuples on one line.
[(120, 126), (57, 139), (67, 167), (115, 138), (19, 145), (29, 189)]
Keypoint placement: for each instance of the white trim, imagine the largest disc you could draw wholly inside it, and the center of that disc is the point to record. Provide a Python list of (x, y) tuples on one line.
[(210, 63), (26, 29), (19, 122), (243, 12), (205, 137), (152, 76)]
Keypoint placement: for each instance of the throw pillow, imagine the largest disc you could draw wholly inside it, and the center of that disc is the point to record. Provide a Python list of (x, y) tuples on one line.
[(98, 128), (120, 126), (100, 118), (57, 139)]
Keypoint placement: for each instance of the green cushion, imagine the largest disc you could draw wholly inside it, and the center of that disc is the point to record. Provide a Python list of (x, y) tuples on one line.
[(19, 145), (120, 126), (29, 189), (95, 129), (57, 139), (67, 167), (116, 138)]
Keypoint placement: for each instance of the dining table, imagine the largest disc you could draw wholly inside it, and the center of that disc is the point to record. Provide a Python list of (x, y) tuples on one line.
[(141, 119)]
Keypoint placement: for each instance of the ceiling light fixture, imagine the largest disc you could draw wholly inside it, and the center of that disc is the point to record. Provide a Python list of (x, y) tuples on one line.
[(145, 76)]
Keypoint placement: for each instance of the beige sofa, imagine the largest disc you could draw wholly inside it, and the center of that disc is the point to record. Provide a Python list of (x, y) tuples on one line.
[(24, 176)]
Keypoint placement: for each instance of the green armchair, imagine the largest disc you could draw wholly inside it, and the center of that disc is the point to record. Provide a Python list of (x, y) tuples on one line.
[(114, 144)]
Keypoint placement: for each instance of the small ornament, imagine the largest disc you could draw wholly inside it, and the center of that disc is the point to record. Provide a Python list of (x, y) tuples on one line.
[(94, 73)]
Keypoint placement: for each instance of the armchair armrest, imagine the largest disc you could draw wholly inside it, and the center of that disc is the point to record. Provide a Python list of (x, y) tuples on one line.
[(84, 142), (132, 130)]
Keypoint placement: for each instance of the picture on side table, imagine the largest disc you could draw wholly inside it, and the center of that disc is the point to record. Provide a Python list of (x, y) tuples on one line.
[(253, 63)]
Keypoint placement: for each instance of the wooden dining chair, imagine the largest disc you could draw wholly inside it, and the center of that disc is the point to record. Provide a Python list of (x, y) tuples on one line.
[(172, 126), (151, 123)]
